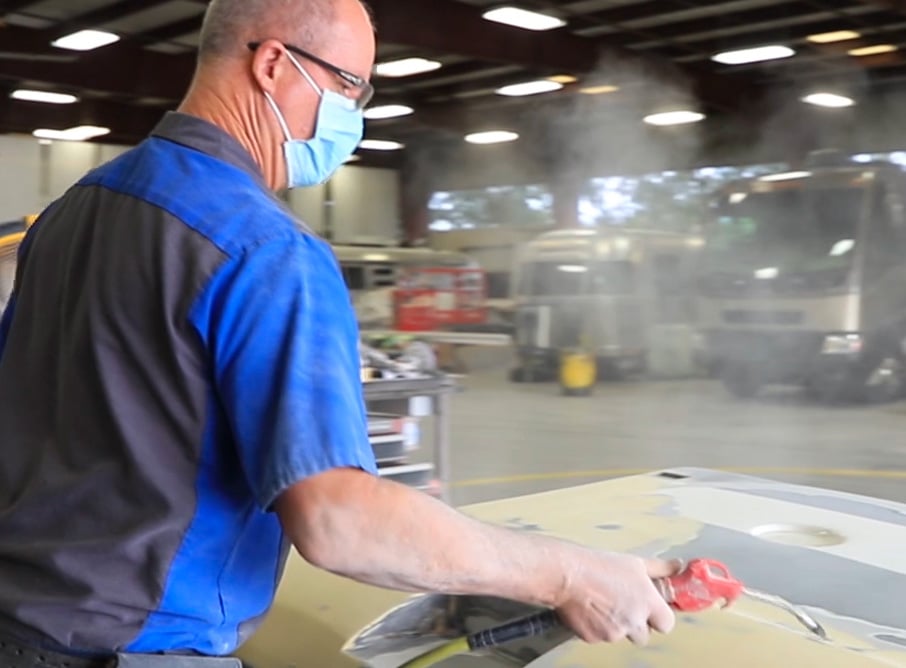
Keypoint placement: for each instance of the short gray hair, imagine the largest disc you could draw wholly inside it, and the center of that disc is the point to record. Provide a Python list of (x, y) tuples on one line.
[(229, 24)]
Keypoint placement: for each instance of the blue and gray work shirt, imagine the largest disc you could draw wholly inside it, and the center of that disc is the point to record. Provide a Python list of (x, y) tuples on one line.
[(178, 351)]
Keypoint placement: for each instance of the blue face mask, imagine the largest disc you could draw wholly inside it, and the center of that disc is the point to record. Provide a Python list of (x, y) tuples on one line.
[(338, 131)]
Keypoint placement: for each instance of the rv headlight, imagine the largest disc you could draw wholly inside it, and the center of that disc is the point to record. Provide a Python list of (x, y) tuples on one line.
[(842, 344)]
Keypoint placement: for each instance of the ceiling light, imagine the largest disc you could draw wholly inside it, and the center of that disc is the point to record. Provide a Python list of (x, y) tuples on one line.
[(829, 100), (80, 133), (406, 67), (491, 137), (599, 90), (674, 117), (522, 18), (45, 142), (43, 96), (875, 50), (767, 273), (842, 247), (86, 40), (380, 145), (835, 36), (754, 55), (785, 176), (563, 78), (388, 111), (529, 88)]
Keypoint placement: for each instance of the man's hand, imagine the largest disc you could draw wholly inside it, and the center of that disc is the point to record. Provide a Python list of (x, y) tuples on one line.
[(610, 597), (385, 534)]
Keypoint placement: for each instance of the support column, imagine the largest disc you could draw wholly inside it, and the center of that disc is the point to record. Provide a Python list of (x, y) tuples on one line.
[(566, 189), (414, 213), (416, 188)]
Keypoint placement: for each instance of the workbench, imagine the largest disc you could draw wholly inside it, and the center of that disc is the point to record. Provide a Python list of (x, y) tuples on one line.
[(409, 396)]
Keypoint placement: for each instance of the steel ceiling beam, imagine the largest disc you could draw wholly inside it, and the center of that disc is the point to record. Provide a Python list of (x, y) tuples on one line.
[(127, 70), (639, 11), (105, 14), (121, 68), (710, 45), (898, 6), (171, 30), (124, 120), (671, 30), (455, 27), (13, 6)]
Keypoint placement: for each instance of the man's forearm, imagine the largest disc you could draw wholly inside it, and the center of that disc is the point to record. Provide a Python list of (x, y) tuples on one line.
[(389, 535)]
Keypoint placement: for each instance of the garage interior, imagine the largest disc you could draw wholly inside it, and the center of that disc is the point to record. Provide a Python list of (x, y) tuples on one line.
[(610, 63), (618, 114)]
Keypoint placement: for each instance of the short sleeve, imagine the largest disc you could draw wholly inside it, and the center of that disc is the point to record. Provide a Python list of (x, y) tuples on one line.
[(283, 339)]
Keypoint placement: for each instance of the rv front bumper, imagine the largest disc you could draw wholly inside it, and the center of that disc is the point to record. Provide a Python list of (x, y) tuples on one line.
[(788, 356)]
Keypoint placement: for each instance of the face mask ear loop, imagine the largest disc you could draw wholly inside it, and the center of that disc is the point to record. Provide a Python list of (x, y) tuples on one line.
[(280, 119), (305, 74)]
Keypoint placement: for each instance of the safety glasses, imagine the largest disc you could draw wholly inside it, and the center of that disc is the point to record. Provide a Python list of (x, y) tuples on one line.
[(364, 88)]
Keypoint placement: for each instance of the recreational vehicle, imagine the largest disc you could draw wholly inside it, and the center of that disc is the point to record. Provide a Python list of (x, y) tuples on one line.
[(373, 272), (607, 291), (803, 281)]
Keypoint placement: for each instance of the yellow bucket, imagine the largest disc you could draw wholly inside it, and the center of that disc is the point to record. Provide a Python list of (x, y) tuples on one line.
[(578, 372)]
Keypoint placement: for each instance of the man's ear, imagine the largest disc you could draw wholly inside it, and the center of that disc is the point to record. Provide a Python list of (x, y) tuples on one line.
[(267, 63)]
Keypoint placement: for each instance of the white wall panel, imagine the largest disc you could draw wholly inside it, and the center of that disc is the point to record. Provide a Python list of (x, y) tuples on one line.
[(358, 204)]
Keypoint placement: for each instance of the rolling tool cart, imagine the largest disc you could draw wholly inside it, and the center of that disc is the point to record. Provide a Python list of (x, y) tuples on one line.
[(400, 393)]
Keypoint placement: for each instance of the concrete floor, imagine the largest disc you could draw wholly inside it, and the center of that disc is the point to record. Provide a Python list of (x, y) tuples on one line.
[(511, 439)]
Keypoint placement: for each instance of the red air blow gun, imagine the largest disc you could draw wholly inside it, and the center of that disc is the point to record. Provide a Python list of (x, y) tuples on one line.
[(702, 584)]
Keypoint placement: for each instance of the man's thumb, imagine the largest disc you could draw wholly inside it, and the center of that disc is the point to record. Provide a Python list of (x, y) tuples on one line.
[(660, 568)]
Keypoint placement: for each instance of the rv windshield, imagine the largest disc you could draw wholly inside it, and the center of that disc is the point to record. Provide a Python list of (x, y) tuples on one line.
[(797, 230), (572, 279)]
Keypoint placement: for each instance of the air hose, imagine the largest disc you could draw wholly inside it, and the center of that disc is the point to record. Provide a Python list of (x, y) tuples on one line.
[(526, 627)]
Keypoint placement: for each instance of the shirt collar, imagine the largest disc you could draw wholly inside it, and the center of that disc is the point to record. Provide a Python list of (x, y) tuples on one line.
[(206, 137)]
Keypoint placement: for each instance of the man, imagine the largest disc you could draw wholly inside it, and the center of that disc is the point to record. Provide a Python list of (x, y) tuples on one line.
[(179, 386)]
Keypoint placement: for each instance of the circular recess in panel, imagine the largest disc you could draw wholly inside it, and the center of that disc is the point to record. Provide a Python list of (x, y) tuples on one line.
[(799, 535)]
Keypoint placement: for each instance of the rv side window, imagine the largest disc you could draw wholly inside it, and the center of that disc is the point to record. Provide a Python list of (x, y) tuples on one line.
[(885, 246), (354, 276), (564, 279), (673, 290), (542, 279), (613, 278)]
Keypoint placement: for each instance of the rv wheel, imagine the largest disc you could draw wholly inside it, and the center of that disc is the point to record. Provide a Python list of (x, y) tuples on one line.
[(529, 374), (887, 381)]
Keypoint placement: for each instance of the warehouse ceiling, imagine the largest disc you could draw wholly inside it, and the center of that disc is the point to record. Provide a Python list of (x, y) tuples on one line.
[(610, 56)]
